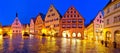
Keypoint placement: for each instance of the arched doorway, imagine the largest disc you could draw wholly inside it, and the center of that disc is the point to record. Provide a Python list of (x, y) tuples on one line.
[(79, 35), (64, 34), (117, 36), (108, 36), (73, 35)]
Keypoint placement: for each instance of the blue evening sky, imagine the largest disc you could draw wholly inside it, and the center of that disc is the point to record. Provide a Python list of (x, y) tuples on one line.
[(30, 8)]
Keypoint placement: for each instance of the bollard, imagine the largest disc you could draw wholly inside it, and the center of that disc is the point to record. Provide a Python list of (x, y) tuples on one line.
[(114, 44), (105, 43), (102, 42)]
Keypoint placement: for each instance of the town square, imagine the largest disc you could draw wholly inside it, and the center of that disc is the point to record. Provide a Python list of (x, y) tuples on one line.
[(45, 27)]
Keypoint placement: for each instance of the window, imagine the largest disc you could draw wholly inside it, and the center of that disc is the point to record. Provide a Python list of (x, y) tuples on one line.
[(16, 23), (100, 21), (47, 26), (74, 25), (78, 16), (108, 10), (13, 30), (16, 30), (56, 25), (68, 26), (115, 19), (51, 20), (56, 19), (67, 11), (115, 6), (100, 16), (79, 26), (74, 15), (97, 20), (69, 21), (67, 15), (48, 16), (74, 11), (71, 15), (119, 18), (64, 16), (118, 4), (51, 10), (63, 26), (80, 20), (74, 21), (71, 11), (53, 14), (71, 8), (63, 21), (46, 21), (107, 21)]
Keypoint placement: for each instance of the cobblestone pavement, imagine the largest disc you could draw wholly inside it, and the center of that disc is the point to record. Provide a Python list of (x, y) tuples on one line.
[(39, 44)]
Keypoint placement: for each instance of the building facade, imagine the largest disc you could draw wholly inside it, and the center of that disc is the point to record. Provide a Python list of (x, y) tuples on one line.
[(32, 25), (0, 29), (112, 22), (38, 24), (26, 28), (72, 24), (89, 31), (52, 21), (16, 26), (95, 28), (98, 26)]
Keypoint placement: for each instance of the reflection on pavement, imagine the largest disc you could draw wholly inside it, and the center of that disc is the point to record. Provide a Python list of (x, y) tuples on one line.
[(42, 44)]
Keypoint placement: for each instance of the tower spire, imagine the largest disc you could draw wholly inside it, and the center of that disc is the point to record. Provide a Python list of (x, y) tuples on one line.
[(16, 14)]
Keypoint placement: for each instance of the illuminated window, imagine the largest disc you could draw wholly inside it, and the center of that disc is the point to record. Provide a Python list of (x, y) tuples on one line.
[(73, 25), (74, 35), (63, 26), (74, 21), (68, 25), (69, 21), (56, 19), (79, 26), (80, 20)]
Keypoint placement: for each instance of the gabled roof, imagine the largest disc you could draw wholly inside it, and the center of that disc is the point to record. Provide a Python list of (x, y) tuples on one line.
[(34, 19), (75, 10), (52, 6), (94, 18)]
